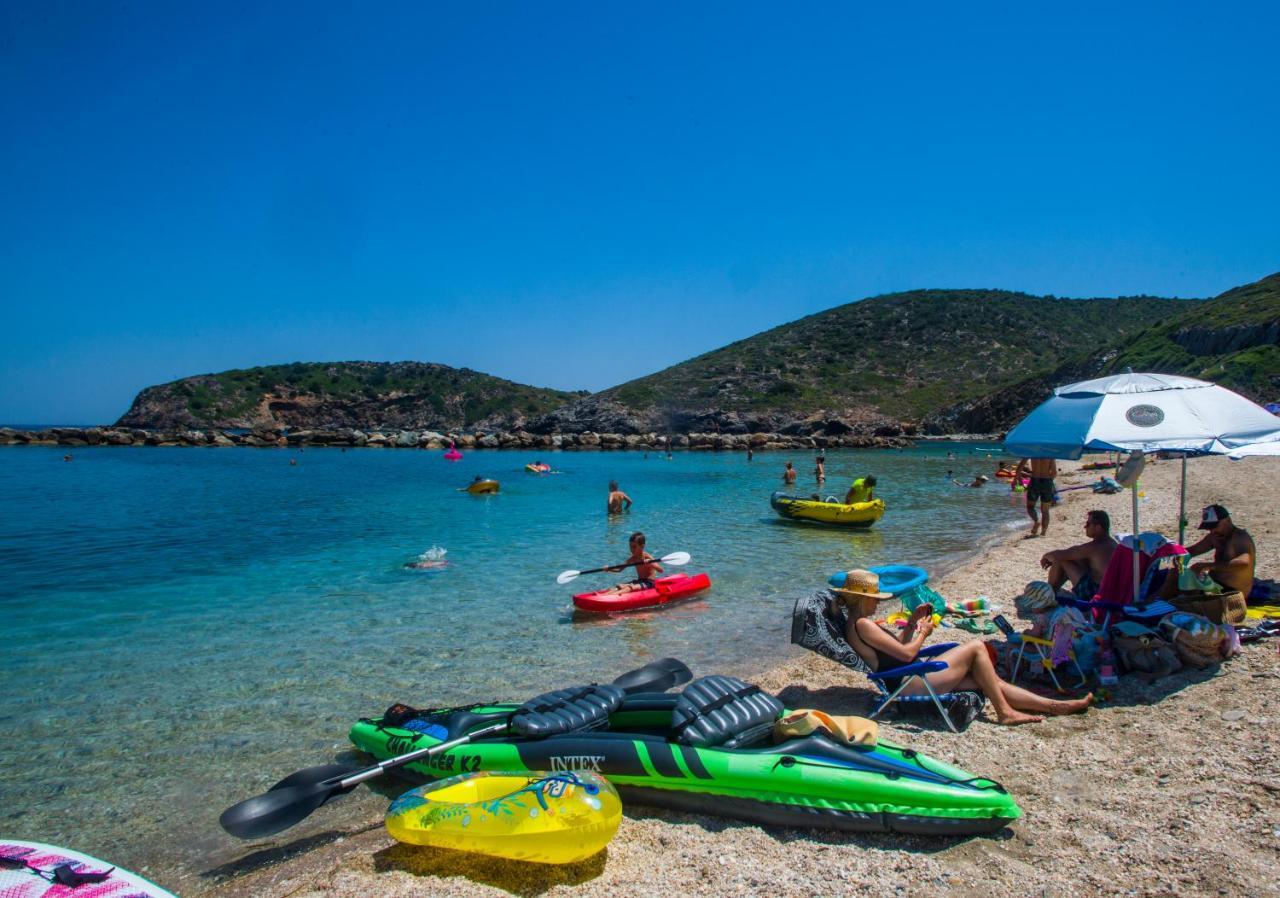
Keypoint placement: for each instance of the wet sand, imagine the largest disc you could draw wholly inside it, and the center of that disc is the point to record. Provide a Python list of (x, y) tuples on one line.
[(1170, 788)]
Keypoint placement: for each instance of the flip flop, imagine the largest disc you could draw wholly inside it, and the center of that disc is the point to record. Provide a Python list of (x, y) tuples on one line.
[(986, 628)]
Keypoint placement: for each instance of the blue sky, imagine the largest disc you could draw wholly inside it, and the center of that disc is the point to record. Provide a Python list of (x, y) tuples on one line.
[(573, 195)]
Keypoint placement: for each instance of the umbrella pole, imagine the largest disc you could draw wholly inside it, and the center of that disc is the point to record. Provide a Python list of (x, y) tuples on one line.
[(1137, 543), (1182, 505)]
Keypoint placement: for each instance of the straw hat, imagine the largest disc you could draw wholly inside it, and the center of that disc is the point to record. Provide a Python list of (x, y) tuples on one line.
[(860, 584)]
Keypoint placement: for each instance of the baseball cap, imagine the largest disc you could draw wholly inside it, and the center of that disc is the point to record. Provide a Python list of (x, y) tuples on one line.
[(1211, 515)]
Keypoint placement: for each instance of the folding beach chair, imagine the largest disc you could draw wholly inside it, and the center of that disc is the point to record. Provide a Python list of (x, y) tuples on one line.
[(1041, 651), (818, 624)]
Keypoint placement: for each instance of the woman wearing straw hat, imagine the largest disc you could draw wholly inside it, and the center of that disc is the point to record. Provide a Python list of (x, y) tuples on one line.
[(969, 665)]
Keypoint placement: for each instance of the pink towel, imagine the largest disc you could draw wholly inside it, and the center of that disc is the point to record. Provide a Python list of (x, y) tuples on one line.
[(1117, 582)]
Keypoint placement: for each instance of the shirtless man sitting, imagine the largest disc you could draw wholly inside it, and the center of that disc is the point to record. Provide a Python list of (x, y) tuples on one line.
[(1084, 565), (645, 564), (1234, 552), (1042, 471)]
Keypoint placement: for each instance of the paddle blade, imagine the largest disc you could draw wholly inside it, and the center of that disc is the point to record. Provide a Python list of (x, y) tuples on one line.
[(286, 803), (676, 558), (656, 676), (275, 811), (567, 577)]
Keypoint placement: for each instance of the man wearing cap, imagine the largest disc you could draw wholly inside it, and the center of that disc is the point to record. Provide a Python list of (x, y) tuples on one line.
[(980, 480), (1084, 565), (1234, 553)]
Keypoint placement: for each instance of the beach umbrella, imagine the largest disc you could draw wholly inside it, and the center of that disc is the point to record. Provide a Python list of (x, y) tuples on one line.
[(1141, 413)]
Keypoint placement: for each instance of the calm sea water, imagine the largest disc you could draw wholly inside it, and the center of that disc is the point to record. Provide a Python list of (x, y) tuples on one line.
[(184, 626)]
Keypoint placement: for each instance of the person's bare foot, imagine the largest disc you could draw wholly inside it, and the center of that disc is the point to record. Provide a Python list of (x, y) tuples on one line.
[(1016, 718), (1074, 706)]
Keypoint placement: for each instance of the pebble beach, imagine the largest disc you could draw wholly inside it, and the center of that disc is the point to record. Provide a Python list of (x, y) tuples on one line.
[(1169, 788)]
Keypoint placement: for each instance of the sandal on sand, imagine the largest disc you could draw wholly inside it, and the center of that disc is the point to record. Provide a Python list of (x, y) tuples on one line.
[(986, 628)]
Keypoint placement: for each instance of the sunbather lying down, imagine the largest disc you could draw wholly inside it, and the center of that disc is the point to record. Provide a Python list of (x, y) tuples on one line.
[(969, 666)]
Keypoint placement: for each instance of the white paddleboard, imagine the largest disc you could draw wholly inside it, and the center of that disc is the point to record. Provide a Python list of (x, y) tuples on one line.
[(22, 882)]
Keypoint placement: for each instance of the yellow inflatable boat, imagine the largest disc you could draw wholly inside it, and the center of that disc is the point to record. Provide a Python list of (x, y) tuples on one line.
[(860, 514), (546, 818), (480, 487)]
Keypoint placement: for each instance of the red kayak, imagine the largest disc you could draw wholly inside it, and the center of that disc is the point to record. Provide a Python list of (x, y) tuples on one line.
[(665, 589)]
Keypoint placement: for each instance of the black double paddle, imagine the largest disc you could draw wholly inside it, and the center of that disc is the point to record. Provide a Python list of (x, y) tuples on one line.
[(293, 799), (676, 558)]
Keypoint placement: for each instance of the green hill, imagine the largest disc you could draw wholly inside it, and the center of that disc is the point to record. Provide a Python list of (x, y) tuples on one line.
[(343, 394), (1233, 340), (901, 355)]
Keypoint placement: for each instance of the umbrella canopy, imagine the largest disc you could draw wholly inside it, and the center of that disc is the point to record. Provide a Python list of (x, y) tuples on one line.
[(1141, 412)]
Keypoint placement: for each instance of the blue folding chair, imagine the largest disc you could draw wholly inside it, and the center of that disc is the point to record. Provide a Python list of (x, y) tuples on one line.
[(818, 624)]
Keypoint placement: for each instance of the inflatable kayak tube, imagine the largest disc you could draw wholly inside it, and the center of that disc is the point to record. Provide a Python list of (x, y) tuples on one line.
[(665, 590), (20, 878), (543, 818), (859, 514), (537, 469), (718, 760), (894, 578), (483, 487)]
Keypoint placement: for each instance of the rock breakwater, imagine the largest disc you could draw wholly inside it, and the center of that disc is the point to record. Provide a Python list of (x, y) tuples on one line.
[(430, 439)]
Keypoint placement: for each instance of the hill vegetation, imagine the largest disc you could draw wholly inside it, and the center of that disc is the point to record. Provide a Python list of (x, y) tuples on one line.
[(902, 355), (1233, 340), (345, 394)]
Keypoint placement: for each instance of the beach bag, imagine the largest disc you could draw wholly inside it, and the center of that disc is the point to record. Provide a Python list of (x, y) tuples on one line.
[(1219, 607), (1199, 642), (1147, 655)]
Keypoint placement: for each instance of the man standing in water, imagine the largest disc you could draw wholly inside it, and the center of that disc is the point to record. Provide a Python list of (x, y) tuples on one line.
[(618, 500), (1041, 489), (789, 475)]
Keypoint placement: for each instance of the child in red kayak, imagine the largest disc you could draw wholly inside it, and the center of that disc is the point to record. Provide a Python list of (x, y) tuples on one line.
[(646, 567)]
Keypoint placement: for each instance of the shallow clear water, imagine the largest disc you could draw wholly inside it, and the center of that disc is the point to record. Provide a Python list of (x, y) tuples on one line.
[(184, 626)]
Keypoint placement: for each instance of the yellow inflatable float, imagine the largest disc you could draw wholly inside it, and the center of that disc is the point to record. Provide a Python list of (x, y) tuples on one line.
[(546, 818), (859, 514), (480, 487)]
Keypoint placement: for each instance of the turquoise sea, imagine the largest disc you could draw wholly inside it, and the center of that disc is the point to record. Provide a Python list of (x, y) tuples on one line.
[(182, 627)]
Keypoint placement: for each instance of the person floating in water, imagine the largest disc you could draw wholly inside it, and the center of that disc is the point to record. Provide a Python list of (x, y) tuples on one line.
[(789, 474), (862, 490), (645, 564), (980, 480), (618, 500)]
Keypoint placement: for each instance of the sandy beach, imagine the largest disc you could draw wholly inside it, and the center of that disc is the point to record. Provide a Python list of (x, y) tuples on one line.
[(1171, 788)]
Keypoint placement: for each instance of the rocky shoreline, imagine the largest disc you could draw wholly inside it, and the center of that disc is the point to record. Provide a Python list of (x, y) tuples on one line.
[(430, 439)]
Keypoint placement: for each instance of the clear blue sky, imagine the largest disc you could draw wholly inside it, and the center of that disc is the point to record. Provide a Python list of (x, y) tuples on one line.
[(573, 195)]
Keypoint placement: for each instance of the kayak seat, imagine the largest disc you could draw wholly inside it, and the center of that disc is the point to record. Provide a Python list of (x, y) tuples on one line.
[(723, 712), (567, 711)]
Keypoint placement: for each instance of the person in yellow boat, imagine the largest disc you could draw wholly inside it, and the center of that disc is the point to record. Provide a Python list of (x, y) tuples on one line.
[(861, 491)]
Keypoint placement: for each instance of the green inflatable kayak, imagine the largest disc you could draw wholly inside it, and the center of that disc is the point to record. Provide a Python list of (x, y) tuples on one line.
[(704, 750)]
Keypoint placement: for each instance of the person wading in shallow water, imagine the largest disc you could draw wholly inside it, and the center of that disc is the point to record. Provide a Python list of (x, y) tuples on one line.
[(789, 475), (618, 500), (1040, 489)]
